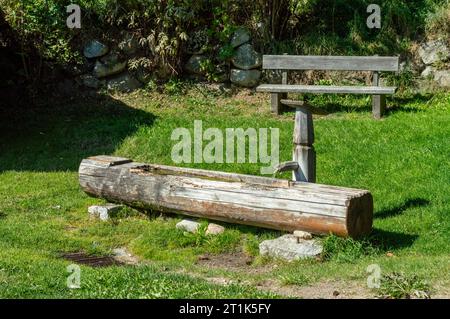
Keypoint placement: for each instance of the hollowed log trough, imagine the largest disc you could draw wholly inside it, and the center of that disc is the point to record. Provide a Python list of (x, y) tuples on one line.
[(234, 198)]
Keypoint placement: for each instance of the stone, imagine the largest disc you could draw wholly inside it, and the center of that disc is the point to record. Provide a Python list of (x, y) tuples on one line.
[(434, 51), (95, 49), (90, 81), (240, 36), (122, 255), (300, 234), (130, 44), (214, 229), (104, 212), (286, 247), (246, 57), (188, 225), (107, 69), (193, 65), (428, 72), (124, 83), (442, 78), (246, 78), (272, 76)]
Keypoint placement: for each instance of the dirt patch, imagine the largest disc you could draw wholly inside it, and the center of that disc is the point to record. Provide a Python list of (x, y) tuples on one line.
[(234, 260), (320, 290)]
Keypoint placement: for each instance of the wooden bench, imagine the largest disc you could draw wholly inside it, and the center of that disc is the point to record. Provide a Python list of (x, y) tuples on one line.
[(285, 63)]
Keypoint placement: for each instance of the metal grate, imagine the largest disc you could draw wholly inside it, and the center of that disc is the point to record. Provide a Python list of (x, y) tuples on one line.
[(93, 261)]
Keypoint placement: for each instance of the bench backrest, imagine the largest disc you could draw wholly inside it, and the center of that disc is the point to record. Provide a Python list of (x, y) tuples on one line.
[(324, 62)]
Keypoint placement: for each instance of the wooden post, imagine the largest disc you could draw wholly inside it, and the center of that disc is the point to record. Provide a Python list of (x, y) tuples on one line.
[(304, 152), (275, 98), (378, 101)]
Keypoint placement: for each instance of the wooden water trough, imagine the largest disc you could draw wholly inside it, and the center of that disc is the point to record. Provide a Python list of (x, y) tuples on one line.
[(234, 198)]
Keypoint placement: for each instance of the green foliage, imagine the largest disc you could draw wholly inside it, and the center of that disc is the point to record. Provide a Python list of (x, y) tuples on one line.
[(400, 286), (411, 222), (438, 21), (346, 249), (297, 279)]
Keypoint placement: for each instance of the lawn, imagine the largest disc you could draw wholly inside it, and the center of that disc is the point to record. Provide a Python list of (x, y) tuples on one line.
[(404, 160)]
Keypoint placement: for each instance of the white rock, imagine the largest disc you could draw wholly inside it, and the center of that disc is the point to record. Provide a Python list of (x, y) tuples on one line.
[(188, 225), (300, 234), (434, 51), (104, 212), (214, 229), (442, 78), (428, 72), (286, 247)]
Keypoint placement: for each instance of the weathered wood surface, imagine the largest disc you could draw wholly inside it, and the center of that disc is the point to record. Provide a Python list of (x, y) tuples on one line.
[(320, 89), (304, 152), (323, 62), (378, 101), (236, 198)]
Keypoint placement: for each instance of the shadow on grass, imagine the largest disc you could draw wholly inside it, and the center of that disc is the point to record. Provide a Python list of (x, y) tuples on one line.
[(395, 103), (58, 135), (410, 203), (388, 240)]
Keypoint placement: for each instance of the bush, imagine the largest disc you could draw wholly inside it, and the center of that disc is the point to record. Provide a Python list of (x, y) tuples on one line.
[(438, 22)]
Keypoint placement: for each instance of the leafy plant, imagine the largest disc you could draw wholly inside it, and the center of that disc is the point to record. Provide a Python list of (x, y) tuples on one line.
[(400, 286)]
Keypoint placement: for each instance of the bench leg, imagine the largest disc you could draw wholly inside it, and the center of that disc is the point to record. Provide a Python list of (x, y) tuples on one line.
[(275, 102), (378, 105)]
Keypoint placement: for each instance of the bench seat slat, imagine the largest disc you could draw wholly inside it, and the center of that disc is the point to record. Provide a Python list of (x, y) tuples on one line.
[(283, 88)]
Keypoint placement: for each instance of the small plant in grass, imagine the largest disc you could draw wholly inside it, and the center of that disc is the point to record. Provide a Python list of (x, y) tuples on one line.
[(346, 249), (174, 87), (400, 286), (294, 279), (251, 245), (199, 237)]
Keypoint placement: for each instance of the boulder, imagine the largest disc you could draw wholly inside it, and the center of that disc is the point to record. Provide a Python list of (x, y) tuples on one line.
[(239, 37), (442, 78), (246, 78), (90, 81), (246, 57), (104, 212), (214, 229), (434, 51), (288, 247), (124, 83), (188, 225), (428, 72), (109, 67), (193, 65), (95, 49)]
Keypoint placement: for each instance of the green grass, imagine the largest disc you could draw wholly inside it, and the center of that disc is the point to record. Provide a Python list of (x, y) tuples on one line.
[(403, 160)]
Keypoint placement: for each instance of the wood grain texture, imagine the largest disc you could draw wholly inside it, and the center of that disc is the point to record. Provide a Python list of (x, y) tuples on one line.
[(318, 89), (338, 63), (235, 198)]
